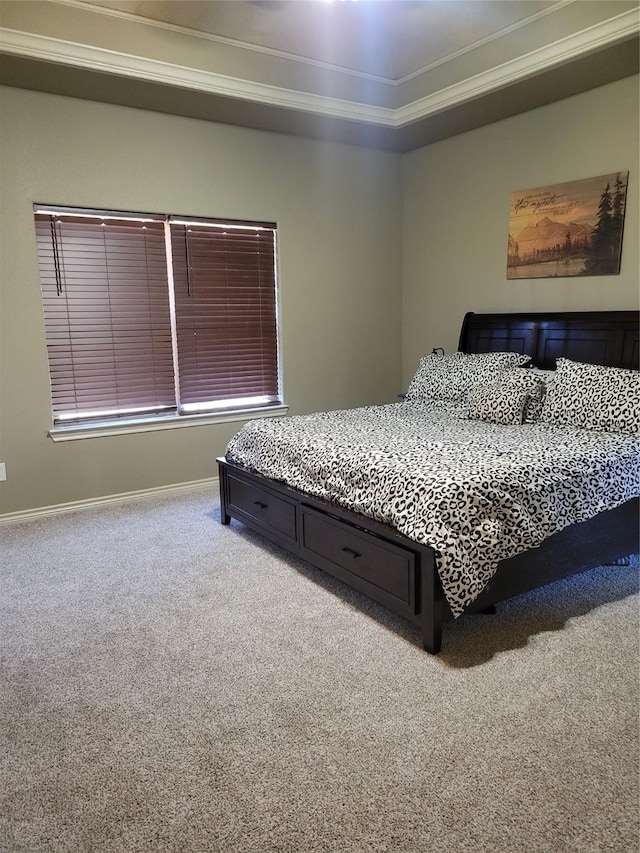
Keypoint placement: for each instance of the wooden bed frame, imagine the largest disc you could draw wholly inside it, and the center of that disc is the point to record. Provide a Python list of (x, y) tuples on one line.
[(400, 573)]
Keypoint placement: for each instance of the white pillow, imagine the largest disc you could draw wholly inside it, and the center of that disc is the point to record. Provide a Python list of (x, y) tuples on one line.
[(450, 377), (498, 404), (532, 384), (593, 397)]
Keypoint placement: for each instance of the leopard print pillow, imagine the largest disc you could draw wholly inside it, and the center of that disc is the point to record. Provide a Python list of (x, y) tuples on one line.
[(593, 397), (450, 377), (529, 382), (498, 404)]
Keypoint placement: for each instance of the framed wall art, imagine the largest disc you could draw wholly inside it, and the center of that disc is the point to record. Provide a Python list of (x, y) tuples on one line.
[(571, 229)]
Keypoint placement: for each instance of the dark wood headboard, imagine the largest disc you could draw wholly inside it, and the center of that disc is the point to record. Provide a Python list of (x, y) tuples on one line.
[(611, 338)]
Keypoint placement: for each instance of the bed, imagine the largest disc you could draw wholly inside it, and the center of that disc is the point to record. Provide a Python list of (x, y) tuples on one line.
[(409, 560)]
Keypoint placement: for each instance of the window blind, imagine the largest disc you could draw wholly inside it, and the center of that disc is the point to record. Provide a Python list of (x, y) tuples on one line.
[(148, 314), (107, 317), (226, 319)]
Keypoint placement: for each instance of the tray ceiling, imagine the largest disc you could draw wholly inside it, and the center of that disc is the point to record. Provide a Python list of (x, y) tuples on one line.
[(387, 73), (391, 40)]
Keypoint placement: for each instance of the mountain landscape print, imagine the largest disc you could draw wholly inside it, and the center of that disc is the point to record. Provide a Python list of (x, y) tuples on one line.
[(571, 229)]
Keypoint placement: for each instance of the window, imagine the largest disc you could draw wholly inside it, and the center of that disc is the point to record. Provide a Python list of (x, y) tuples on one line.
[(149, 316)]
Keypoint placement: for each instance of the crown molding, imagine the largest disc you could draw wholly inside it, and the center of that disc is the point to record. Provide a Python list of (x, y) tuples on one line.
[(549, 10), (564, 50), (62, 52)]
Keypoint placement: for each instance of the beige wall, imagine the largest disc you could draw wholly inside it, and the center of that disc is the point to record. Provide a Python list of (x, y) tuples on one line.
[(456, 211), (381, 255), (338, 210)]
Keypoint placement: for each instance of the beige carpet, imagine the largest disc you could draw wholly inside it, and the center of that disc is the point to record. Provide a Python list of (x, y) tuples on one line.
[(169, 684)]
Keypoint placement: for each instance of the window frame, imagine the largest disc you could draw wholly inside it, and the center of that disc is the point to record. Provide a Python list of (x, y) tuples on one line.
[(100, 429), (71, 424)]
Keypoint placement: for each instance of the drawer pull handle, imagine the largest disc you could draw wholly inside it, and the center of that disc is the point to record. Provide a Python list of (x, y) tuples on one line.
[(354, 554), (260, 505)]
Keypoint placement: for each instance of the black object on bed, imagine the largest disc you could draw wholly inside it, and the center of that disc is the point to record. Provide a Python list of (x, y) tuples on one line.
[(401, 573)]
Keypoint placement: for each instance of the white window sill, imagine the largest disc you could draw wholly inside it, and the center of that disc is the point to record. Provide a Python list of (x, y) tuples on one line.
[(132, 425)]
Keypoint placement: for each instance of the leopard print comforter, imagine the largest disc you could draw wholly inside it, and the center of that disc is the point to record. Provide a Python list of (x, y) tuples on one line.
[(476, 492)]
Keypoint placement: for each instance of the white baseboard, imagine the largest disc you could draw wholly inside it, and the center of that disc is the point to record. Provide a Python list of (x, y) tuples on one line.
[(92, 503)]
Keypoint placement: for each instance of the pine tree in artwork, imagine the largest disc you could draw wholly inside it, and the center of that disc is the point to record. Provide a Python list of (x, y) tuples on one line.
[(603, 254), (617, 213)]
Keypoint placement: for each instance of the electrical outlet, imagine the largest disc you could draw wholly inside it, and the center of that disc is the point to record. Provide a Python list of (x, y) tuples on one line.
[(3, 471)]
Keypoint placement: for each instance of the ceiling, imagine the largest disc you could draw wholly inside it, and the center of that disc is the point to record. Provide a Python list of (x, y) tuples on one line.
[(394, 74), (391, 40)]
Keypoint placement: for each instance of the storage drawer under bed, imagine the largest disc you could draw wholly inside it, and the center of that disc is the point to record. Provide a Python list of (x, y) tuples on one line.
[(367, 562), (262, 507)]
